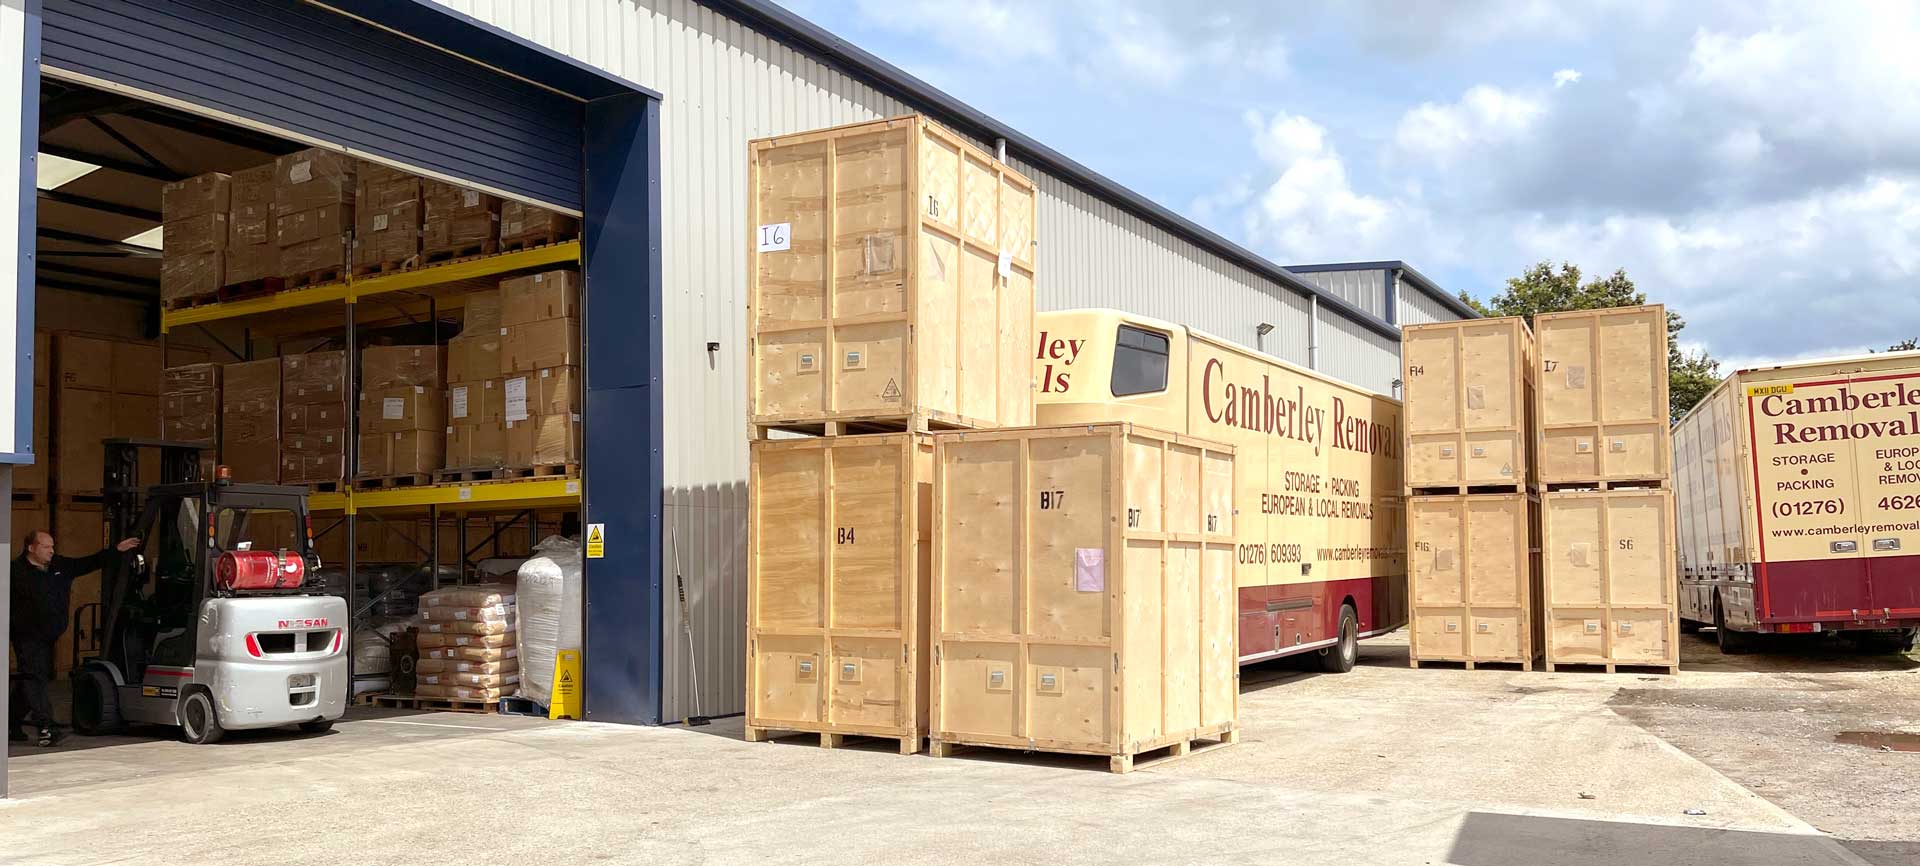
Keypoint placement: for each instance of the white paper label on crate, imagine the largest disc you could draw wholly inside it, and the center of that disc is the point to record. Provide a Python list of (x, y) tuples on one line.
[(1476, 396), (379, 222), (301, 172), (1576, 377), (1006, 263), (470, 198), (1090, 569), (775, 237), (393, 408), (459, 409), (517, 399)]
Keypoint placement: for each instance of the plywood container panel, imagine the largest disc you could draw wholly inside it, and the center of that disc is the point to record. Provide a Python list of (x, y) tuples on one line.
[(1469, 404), (1473, 566), (838, 563), (882, 286), (1609, 573), (1083, 595), (1602, 395)]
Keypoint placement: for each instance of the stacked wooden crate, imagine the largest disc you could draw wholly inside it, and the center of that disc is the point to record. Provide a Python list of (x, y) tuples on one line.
[(890, 292), (1607, 516), (1473, 506)]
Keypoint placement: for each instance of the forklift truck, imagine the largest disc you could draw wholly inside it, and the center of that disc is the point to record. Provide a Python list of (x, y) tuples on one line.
[(210, 626)]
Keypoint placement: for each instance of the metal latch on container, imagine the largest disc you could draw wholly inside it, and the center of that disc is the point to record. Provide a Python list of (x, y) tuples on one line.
[(1583, 446), (1446, 450), (1886, 544), (1844, 547), (849, 672), (1049, 682), (806, 667), (996, 679)]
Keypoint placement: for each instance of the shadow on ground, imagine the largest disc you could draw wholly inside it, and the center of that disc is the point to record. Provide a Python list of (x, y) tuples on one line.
[(1492, 839)]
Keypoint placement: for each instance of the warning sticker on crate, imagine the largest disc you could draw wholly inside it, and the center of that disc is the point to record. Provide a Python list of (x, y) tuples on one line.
[(891, 392), (775, 237), (1090, 569), (517, 399), (596, 540)]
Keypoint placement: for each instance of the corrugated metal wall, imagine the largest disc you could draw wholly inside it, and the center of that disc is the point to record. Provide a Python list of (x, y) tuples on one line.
[(1358, 355), (725, 84), (1418, 307), (1363, 289)]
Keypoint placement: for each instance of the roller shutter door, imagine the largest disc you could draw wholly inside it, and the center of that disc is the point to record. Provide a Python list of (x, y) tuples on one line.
[(333, 78)]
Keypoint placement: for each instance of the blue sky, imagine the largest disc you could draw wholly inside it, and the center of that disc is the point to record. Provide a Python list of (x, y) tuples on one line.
[(1754, 165)]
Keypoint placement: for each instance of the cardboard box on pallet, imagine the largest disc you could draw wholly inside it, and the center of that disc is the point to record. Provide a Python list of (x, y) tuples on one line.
[(458, 221), (313, 458), (312, 178), (312, 256), (546, 343), (210, 193), (544, 440), (552, 391), (190, 404), (190, 275), (412, 452), (386, 229), (476, 402), (537, 297), (250, 420), (476, 358), (476, 446), (402, 408), (315, 378), (483, 313), (394, 366), (195, 234), (525, 224), (313, 418), (373, 455), (252, 251), (313, 394), (331, 221)]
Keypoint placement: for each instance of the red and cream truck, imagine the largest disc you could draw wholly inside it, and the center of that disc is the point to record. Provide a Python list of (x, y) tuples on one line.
[(1321, 561), (1799, 502)]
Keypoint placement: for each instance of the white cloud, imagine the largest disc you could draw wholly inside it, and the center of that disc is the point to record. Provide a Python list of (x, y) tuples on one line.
[(1310, 211), (1442, 134), (1565, 77), (1000, 29)]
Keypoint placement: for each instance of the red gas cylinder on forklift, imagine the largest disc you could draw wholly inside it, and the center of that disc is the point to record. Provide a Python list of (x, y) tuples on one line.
[(243, 570)]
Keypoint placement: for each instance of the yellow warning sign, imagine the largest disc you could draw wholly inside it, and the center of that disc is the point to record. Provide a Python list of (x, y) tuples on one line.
[(596, 540), (565, 703)]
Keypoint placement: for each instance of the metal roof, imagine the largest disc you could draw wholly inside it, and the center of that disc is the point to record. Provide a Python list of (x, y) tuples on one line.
[(1415, 278), (780, 23)]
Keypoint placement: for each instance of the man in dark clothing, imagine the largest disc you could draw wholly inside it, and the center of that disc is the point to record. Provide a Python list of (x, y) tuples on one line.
[(42, 587)]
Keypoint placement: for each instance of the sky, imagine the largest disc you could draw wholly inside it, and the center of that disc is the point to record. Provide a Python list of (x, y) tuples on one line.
[(1753, 165)]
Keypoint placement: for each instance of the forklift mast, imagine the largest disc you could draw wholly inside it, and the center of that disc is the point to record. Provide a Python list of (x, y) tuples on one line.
[(124, 501)]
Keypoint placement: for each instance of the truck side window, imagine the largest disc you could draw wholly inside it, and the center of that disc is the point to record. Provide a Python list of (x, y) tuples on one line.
[(1139, 362)]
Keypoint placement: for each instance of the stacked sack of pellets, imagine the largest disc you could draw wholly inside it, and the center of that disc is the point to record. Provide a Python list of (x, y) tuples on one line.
[(467, 650)]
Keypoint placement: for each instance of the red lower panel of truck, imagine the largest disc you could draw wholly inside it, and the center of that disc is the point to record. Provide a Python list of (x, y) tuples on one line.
[(1299, 617), (1842, 592)]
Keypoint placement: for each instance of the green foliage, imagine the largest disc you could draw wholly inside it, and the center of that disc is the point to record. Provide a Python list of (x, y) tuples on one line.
[(1906, 345), (1542, 289)]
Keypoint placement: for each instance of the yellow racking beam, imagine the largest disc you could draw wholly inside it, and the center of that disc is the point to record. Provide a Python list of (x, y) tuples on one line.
[(525, 493), (354, 288)]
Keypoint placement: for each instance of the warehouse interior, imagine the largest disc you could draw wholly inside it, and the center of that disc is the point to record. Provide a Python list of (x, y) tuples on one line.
[(106, 165)]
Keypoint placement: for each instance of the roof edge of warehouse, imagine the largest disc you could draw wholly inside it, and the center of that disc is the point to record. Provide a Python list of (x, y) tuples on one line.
[(771, 16), (1417, 279)]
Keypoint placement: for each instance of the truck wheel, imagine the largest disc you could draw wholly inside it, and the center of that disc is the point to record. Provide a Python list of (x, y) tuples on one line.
[(1339, 658), (1880, 643), (1732, 643), (199, 723), (96, 703)]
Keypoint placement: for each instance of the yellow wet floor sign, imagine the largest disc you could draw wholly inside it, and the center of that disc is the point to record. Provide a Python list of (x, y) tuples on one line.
[(566, 686)]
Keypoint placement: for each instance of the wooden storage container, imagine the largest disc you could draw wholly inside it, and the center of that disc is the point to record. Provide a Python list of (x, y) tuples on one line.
[(1083, 592), (890, 269), (79, 529), (1473, 565), (836, 587), (1608, 576), (1602, 395), (1469, 405)]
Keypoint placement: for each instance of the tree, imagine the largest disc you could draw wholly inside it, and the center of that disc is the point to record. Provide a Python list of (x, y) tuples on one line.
[(1541, 289), (1907, 345)]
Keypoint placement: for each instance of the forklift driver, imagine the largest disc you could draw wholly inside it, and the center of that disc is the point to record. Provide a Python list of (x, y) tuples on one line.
[(42, 583)]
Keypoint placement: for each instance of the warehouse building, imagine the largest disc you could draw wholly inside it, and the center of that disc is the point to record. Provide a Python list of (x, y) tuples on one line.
[(633, 115)]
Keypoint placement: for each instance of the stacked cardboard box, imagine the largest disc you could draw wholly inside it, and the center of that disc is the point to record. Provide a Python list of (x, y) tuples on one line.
[(194, 215), (540, 354), (459, 222), (386, 228), (107, 388), (253, 251), (479, 621), (313, 417), (250, 420), (476, 437), (313, 205), (402, 410), (190, 410), (524, 225)]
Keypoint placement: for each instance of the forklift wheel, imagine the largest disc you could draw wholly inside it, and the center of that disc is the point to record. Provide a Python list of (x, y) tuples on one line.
[(96, 703), (199, 724), (318, 726)]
